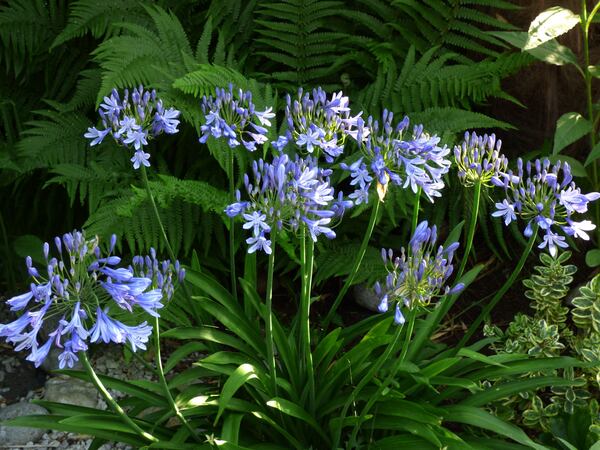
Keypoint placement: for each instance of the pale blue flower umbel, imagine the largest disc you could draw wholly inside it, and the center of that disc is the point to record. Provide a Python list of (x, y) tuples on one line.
[(393, 154), (478, 159), (82, 289), (317, 124), (544, 195), (418, 275), (285, 194), (133, 120), (231, 115)]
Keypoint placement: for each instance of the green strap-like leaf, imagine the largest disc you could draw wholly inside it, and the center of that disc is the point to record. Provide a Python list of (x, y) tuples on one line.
[(238, 378)]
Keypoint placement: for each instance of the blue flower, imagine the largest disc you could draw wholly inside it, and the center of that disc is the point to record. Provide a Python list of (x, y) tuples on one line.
[(78, 286), (478, 159), (231, 115), (505, 210), (544, 194), (256, 221), (140, 158), (414, 160), (418, 275), (259, 242), (134, 120), (97, 136)]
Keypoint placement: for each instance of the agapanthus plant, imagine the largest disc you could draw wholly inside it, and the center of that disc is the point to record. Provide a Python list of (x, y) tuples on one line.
[(285, 194), (418, 275), (231, 115), (478, 159), (134, 120), (394, 155), (544, 195), (80, 287), (316, 123)]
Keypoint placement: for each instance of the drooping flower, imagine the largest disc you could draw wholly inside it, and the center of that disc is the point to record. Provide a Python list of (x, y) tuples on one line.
[(544, 195), (478, 159), (392, 154), (317, 124), (418, 275), (287, 194), (231, 115), (133, 120), (82, 286)]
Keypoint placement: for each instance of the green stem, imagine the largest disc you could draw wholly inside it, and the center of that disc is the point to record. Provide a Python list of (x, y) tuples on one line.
[(111, 401), (232, 230), (471, 229), (589, 99), (363, 382), (269, 312), (164, 235), (415, 215), (505, 287), (163, 380), (382, 387), (307, 260), (357, 261)]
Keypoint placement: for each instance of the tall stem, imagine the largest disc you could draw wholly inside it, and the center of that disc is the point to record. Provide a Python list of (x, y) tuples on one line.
[(357, 261), (164, 235), (415, 215), (363, 382), (232, 229), (307, 260), (471, 229), (111, 401), (589, 98), (383, 386), (163, 380), (269, 312), (505, 287)]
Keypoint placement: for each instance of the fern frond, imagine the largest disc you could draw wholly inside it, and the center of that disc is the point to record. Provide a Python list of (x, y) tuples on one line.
[(97, 18)]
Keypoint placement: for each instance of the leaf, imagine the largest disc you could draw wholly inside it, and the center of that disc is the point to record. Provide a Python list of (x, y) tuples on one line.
[(514, 387), (238, 378), (551, 51), (592, 258), (29, 245), (594, 71), (570, 127), (231, 427), (594, 155), (479, 357), (577, 168), (293, 410), (550, 24), (479, 418), (182, 352)]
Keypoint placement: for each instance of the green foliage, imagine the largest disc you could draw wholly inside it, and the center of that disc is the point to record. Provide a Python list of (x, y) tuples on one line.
[(548, 333)]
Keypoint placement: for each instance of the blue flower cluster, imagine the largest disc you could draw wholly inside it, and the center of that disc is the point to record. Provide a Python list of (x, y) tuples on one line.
[(415, 160), (417, 275), (287, 193), (316, 123), (544, 194), (131, 121), (478, 159), (232, 115), (80, 287)]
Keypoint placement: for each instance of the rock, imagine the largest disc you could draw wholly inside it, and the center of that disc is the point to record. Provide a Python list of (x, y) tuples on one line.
[(20, 377), (51, 362), (20, 435), (71, 391), (366, 297)]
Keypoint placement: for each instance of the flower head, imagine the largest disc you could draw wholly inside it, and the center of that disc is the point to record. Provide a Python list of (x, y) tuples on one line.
[(317, 124), (418, 275), (544, 195), (231, 115), (393, 155), (133, 120), (287, 194), (479, 159), (81, 287)]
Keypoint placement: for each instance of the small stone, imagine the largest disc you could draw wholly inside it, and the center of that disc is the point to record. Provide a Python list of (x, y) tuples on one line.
[(20, 435), (71, 391), (366, 297)]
